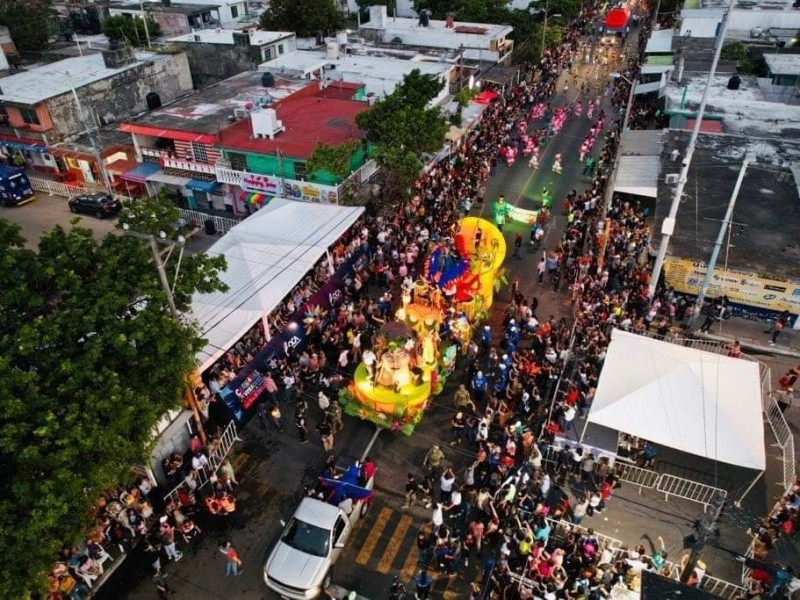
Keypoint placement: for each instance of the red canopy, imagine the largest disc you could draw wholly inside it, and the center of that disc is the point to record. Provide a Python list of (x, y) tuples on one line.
[(486, 97), (617, 18)]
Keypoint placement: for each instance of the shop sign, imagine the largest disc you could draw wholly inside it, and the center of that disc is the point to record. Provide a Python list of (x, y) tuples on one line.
[(310, 192), (262, 184), (741, 287)]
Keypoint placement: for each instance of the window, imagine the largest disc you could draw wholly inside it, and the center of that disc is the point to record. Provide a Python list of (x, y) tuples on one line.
[(72, 163), (199, 151), (280, 49), (300, 170), (234, 12), (29, 116), (338, 530), (238, 161)]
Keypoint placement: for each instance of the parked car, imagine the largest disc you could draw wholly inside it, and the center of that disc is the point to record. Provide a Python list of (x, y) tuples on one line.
[(300, 564), (100, 205)]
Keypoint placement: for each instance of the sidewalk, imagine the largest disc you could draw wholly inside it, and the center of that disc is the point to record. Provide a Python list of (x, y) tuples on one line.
[(752, 337)]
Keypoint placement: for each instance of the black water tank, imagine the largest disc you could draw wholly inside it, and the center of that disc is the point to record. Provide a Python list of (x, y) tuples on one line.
[(267, 79), (734, 82), (153, 101)]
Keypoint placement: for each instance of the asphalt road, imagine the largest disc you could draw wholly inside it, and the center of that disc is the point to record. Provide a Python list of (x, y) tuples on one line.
[(45, 212)]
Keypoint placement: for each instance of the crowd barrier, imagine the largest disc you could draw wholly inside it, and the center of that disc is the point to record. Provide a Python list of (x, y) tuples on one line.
[(199, 219), (56, 188)]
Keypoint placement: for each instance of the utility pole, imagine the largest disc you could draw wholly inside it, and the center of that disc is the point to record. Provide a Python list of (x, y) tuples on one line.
[(88, 130), (668, 226), (706, 529), (146, 28), (726, 225), (153, 242)]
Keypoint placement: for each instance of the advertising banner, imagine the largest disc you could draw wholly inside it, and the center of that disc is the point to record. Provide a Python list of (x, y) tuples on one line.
[(742, 287), (243, 392)]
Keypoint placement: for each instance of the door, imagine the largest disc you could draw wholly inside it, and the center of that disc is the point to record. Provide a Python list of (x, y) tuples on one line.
[(341, 532), (86, 171)]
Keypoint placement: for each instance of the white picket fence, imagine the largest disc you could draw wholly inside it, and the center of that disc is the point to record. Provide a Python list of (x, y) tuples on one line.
[(55, 188)]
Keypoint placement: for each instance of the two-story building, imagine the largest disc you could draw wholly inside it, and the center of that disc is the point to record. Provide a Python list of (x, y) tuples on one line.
[(229, 11), (217, 54), (39, 112)]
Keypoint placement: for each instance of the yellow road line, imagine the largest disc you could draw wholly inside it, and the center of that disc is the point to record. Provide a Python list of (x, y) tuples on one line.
[(374, 536), (410, 565), (394, 544), (240, 460)]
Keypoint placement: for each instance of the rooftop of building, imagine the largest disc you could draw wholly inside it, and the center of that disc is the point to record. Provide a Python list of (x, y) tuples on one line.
[(207, 111), (306, 121), (767, 204), (225, 36), (379, 72), (160, 7), (743, 111), (746, 4), (50, 80), (441, 28), (783, 64)]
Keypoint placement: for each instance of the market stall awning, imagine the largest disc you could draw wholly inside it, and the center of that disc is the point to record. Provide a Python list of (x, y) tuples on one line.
[(268, 254), (638, 175), (141, 172), (660, 41), (161, 177), (18, 145), (648, 88), (697, 402), (653, 69), (198, 185)]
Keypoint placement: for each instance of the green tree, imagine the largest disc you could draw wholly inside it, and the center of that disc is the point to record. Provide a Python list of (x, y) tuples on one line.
[(83, 380), (307, 18), (738, 52), (403, 127), (335, 159), (120, 28), (439, 8), (29, 22), (151, 215), (483, 11)]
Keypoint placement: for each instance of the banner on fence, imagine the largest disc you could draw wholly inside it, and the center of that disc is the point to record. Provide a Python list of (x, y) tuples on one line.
[(243, 392)]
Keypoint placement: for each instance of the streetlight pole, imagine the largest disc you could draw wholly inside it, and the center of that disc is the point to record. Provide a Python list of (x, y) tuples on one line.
[(726, 224), (668, 226)]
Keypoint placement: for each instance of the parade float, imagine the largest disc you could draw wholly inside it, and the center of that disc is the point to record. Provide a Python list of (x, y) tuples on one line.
[(412, 356)]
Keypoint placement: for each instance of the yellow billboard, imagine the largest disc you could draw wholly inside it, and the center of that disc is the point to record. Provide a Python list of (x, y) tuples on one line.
[(741, 287)]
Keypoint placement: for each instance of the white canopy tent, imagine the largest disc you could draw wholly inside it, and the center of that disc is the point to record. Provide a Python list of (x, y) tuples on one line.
[(698, 402), (638, 175), (268, 254)]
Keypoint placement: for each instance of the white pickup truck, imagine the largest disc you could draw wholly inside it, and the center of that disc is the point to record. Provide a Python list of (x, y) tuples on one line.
[(300, 565)]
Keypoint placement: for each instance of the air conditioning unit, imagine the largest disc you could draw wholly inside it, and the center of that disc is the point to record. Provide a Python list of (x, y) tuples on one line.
[(671, 178), (241, 113)]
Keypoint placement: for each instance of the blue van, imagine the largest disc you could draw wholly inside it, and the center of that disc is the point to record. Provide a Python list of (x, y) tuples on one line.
[(15, 187)]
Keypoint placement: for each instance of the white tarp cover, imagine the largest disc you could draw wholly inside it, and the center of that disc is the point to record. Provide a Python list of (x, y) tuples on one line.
[(638, 175), (268, 254), (695, 401)]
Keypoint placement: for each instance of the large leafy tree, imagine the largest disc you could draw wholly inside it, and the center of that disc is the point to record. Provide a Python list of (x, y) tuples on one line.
[(119, 28), (83, 380), (29, 22), (307, 18), (403, 127), (335, 159)]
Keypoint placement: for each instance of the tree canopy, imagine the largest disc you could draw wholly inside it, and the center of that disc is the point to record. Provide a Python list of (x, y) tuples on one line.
[(402, 127), (307, 18), (335, 159), (120, 28), (29, 22), (90, 359), (151, 215)]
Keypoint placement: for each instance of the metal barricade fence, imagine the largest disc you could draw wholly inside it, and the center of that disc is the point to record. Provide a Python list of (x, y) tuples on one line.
[(216, 457), (644, 478), (671, 485), (55, 188)]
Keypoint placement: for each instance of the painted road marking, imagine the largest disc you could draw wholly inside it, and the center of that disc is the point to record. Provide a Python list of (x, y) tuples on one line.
[(394, 544), (374, 536)]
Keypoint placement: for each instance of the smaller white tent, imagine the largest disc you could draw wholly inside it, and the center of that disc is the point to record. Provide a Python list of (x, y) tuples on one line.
[(698, 402), (268, 254)]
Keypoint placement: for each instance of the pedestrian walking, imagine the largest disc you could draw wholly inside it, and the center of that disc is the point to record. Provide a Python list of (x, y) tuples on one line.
[(162, 588), (300, 424), (167, 536), (233, 564), (326, 435), (191, 535), (518, 245), (541, 269)]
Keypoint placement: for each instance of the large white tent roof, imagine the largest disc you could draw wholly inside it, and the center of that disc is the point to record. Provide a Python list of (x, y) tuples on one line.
[(695, 401), (267, 254)]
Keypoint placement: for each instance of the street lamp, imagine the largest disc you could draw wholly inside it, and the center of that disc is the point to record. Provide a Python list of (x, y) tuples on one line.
[(535, 11)]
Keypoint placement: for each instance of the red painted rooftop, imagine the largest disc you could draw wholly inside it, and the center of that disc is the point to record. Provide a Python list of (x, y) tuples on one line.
[(306, 120)]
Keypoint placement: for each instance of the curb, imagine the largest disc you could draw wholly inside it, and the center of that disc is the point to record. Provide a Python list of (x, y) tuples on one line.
[(760, 348)]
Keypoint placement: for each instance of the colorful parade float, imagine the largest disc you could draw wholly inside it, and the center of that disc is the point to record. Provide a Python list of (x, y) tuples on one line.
[(413, 355)]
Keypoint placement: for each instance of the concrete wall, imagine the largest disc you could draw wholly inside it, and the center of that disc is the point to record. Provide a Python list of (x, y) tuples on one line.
[(210, 63), (119, 97), (741, 20)]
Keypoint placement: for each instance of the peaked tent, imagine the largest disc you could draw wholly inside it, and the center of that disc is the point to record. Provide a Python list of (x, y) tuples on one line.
[(695, 401), (268, 254)]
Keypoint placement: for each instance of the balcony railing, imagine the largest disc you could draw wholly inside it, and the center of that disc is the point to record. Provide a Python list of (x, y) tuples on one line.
[(187, 165), (228, 175), (154, 152), (24, 134)]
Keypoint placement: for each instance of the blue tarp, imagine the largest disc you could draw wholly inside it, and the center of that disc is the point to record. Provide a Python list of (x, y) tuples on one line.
[(198, 185), (140, 173)]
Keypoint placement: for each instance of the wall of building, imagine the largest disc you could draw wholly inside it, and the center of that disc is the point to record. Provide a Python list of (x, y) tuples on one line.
[(741, 20), (116, 98), (15, 118), (226, 14), (211, 63)]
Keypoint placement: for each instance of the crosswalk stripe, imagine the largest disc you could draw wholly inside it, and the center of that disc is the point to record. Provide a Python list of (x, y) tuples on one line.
[(240, 460), (374, 536), (262, 491), (410, 565), (394, 544)]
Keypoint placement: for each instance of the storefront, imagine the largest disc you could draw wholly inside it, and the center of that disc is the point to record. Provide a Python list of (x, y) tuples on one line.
[(139, 174), (206, 195)]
